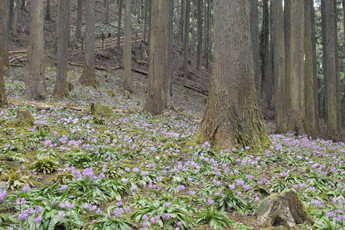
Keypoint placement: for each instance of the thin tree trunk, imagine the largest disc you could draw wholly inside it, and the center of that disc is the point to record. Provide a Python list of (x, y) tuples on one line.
[(79, 19), (207, 40), (266, 68), (88, 77), (106, 6), (127, 51), (61, 85), (6, 34), (254, 28), (145, 19), (186, 38), (182, 19), (36, 79), (199, 5), (119, 23), (47, 13), (3, 54), (310, 123)]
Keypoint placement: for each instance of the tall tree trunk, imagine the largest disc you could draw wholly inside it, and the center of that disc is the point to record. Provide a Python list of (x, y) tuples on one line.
[(168, 82), (88, 77), (119, 23), (79, 19), (232, 117), (186, 38), (106, 6), (199, 5), (6, 21), (330, 70), (254, 29), (36, 79), (316, 79), (3, 54), (145, 19), (61, 85), (182, 19), (47, 13), (279, 65), (310, 123), (266, 68), (296, 104), (207, 40), (127, 51), (158, 57)]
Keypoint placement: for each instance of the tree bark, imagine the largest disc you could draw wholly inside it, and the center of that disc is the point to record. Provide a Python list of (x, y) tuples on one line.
[(232, 117), (266, 68), (254, 29), (127, 51), (61, 85), (186, 38), (3, 53), (310, 124), (106, 6), (79, 19), (199, 5), (330, 69), (119, 23), (47, 13), (279, 65), (296, 103), (88, 77), (159, 56), (36, 79), (145, 19)]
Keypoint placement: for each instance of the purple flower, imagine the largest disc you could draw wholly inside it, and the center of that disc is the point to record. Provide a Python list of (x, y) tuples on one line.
[(3, 195), (166, 204), (26, 189), (179, 224), (239, 182), (181, 187), (210, 201), (38, 219), (135, 169), (330, 214), (119, 204), (316, 203), (39, 209), (20, 201), (23, 216), (145, 217), (63, 188), (134, 188), (88, 172), (166, 216), (146, 224), (246, 187), (119, 212), (192, 193), (154, 220), (66, 205)]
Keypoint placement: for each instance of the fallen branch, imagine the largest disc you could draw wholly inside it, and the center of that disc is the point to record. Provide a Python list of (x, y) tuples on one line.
[(196, 90), (140, 71)]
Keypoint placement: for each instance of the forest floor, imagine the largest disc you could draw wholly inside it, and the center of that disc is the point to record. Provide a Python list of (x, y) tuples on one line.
[(125, 169)]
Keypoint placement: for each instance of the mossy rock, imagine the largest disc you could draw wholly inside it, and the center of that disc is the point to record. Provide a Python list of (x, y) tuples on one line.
[(24, 118), (100, 110), (285, 209), (111, 93)]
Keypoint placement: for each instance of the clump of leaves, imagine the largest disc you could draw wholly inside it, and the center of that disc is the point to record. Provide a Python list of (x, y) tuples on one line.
[(229, 202), (79, 159), (214, 218), (169, 214), (107, 221), (14, 179), (45, 165)]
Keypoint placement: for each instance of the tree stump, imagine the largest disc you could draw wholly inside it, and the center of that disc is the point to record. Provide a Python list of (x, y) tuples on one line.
[(284, 209)]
